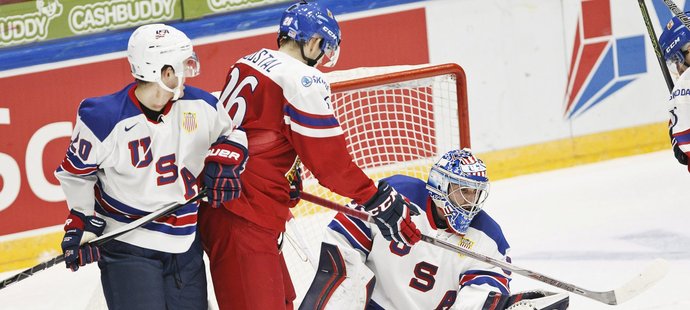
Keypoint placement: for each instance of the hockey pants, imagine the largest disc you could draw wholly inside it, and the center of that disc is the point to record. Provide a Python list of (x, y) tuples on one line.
[(138, 278), (247, 269)]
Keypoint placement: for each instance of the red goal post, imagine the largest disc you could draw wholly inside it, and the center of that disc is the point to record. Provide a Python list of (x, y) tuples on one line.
[(397, 120)]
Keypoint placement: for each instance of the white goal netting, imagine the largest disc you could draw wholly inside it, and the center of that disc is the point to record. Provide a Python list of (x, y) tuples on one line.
[(397, 120)]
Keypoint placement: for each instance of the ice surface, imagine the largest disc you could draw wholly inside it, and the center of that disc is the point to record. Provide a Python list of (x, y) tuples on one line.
[(594, 226)]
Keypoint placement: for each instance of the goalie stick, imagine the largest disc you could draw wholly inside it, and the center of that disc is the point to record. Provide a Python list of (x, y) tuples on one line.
[(655, 43), (167, 210), (654, 272)]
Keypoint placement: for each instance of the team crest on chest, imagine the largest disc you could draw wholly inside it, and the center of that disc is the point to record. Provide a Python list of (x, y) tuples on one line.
[(189, 123), (465, 243)]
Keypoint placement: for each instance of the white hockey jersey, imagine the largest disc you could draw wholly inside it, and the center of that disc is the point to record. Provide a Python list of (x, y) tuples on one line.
[(122, 166), (419, 277), (679, 113)]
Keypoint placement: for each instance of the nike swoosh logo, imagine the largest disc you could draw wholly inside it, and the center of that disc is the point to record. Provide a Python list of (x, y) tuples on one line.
[(130, 127)]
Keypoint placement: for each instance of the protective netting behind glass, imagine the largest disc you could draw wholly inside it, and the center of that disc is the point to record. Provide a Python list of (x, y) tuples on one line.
[(397, 120)]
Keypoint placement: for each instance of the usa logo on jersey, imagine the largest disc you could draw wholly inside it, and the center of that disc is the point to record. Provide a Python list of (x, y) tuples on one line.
[(189, 123)]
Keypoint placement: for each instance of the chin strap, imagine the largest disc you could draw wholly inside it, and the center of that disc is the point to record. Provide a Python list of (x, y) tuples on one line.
[(176, 92), (310, 62)]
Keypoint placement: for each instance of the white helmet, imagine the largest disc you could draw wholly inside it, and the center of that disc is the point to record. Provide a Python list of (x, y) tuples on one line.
[(153, 46)]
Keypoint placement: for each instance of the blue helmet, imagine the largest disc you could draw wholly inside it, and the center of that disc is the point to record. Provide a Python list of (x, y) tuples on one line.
[(302, 21), (459, 186), (673, 39)]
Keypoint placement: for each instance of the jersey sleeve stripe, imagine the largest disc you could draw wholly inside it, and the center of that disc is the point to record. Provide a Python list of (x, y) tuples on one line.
[(74, 166), (479, 277), (362, 243), (486, 280), (362, 235), (310, 120), (314, 133), (77, 163), (363, 227), (682, 138)]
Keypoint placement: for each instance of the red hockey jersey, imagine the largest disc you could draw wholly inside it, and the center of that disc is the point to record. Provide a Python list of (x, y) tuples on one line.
[(284, 107)]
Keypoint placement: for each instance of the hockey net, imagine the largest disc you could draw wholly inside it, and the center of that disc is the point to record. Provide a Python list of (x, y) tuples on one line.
[(397, 120)]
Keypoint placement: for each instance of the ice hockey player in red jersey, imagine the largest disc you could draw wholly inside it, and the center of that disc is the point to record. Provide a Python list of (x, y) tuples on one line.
[(283, 104), (360, 270)]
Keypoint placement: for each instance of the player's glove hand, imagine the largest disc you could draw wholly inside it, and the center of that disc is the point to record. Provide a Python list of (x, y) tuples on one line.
[(391, 212), (530, 300), (225, 162), (79, 229)]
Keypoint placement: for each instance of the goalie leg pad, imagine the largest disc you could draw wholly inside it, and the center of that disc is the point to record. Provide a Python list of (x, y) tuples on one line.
[(329, 275)]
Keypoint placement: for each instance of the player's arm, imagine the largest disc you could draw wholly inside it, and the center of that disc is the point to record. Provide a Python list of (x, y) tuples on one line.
[(77, 172), (679, 128), (482, 285), (342, 280), (77, 176), (319, 141), (227, 156)]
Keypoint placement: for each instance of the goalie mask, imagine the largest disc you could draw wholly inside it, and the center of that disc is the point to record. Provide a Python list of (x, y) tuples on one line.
[(459, 186), (151, 47), (674, 43), (303, 21)]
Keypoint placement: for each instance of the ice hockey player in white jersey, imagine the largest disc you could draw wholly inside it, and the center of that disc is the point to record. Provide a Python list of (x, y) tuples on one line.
[(675, 42), (140, 149), (360, 270)]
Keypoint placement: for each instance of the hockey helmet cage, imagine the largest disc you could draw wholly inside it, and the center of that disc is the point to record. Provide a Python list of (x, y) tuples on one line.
[(302, 21), (459, 186)]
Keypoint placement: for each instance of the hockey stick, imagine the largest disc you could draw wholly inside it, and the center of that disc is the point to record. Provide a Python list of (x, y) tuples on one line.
[(655, 44), (164, 211), (632, 288)]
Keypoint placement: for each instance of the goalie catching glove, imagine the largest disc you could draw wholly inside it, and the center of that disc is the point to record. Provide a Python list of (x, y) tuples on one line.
[(79, 229), (224, 162), (529, 300), (391, 212)]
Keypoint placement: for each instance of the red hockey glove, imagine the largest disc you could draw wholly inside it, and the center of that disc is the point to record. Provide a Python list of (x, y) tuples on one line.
[(77, 255), (391, 212), (225, 162)]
